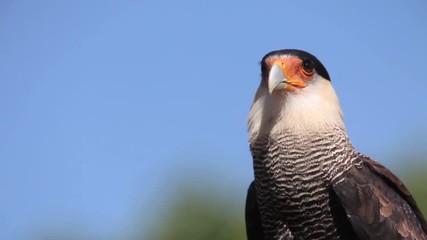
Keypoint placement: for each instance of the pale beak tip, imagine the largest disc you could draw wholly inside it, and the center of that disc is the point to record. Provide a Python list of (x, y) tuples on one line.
[(275, 78)]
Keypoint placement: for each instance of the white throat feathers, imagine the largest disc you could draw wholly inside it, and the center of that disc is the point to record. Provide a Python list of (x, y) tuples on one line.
[(314, 108)]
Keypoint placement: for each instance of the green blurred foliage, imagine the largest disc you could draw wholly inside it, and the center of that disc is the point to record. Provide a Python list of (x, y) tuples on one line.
[(201, 213), (198, 215), (416, 180)]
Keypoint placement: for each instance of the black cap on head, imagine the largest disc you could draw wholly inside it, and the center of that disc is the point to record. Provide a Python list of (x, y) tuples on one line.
[(318, 66)]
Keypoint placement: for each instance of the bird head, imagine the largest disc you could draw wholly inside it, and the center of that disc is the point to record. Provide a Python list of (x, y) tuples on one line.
[(295, 93), (291, 71)]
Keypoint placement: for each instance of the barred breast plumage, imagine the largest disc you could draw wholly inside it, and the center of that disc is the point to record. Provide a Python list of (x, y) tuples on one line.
[(293, 174)]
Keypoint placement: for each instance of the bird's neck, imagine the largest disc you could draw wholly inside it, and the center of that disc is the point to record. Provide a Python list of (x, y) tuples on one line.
[(314, 110), (304, 128)]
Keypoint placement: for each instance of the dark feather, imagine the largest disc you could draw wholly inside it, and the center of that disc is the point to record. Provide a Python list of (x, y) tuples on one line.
[(378, 205), (252, 216)]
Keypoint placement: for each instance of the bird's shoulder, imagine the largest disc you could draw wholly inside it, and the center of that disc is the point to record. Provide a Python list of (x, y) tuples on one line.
[(378, 204)]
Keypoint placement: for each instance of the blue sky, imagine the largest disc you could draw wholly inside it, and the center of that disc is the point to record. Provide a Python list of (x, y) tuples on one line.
[(105, 104)]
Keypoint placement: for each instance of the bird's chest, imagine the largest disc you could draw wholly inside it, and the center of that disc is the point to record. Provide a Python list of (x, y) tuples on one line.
[(293, 177), (287, 166), (290, 178)]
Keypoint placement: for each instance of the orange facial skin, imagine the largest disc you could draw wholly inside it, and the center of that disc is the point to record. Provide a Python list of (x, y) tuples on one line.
[(292, 68)]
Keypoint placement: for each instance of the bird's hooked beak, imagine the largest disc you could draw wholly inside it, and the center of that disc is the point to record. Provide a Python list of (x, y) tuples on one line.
[(281, 77), (276, 78)]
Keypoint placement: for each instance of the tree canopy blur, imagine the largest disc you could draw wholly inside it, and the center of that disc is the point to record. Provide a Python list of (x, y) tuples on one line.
[(199, 215)]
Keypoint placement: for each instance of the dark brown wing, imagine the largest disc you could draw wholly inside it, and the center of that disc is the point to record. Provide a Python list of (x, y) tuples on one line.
[(378, 205), (396, 184), (252, 216)]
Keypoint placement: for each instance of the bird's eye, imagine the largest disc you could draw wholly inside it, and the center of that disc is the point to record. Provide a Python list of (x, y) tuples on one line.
[(308, 67)]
